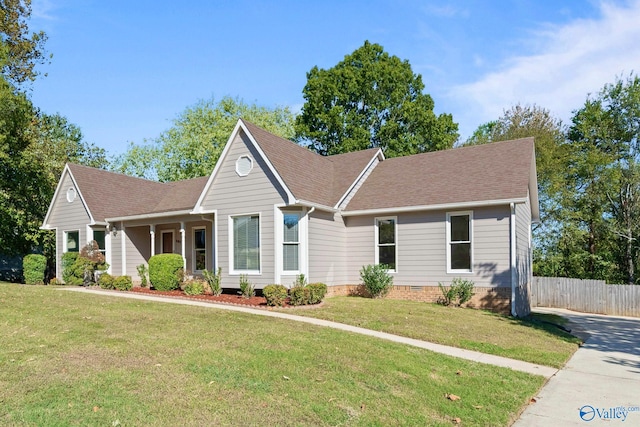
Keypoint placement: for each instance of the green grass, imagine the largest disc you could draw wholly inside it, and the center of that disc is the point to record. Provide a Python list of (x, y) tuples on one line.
[(529, 340), (70, 359)]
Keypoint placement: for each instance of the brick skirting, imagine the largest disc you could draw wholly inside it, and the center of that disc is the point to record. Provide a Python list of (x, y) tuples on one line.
[(494, 299)]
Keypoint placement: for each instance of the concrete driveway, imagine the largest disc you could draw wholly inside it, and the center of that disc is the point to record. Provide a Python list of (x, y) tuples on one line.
[(600, 385)]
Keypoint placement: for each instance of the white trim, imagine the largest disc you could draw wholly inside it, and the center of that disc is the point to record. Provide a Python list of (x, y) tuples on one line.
[(277, 238), (152, 234), (193, 247), (512, 258), (214, 241), (151, 215), (173, 243), (108, 258), (312, 205), (248, 157), (378, 155), (66, 169), (377, 238), (183, 246), (471, 242), (223, 156), (232, 270), (444, 206), (303, 265), (123, 246)]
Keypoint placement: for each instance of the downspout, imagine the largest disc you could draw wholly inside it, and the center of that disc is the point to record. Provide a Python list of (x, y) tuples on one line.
[(512, 255)]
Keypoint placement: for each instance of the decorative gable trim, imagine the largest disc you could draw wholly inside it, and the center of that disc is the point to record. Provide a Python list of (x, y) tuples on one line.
[(241, 126), (65, 171)]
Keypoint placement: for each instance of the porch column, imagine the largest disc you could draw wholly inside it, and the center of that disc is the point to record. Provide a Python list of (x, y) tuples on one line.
[(184, 246), (123, 248), (152, 232)]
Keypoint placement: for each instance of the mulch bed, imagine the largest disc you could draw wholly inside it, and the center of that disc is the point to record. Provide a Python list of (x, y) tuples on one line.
[(225, 298)]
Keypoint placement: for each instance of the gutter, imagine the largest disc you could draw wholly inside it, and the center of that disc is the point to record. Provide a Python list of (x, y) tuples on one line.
[(444, 206), (149, 216), (315, 206)]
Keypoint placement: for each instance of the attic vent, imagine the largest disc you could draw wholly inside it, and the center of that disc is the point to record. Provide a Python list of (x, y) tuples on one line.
[(71, 194), (244, 164)]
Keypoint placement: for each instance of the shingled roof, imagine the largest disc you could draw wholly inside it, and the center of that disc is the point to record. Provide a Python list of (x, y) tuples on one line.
[(308, 175), (111, 195), (497, 171)]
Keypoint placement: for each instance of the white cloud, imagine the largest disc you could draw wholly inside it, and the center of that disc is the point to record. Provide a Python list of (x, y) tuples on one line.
[(42, 9), (571, 62)]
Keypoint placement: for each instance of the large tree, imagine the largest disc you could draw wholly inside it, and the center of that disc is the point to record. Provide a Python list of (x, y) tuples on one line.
[(191, 147), (371, 99), (20, 50)]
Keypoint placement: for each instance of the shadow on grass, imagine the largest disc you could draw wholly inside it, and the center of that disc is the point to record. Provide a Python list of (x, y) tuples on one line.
[(550, 323)]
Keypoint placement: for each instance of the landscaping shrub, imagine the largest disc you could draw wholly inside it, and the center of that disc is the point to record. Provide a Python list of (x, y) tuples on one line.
[(163, 269), (143, 271), (247, 289), (33, 269), (123, 283), (106, 281), (460, 291), (376, 279), (317, 291), (194, 287), (214, 281), (300, 281), (299, 295), (68, 260), (275, 295)]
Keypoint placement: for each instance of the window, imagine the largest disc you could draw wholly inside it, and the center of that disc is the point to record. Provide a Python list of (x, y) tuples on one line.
[(244, 164), (72, 241), (199, 249), (246, 243), (459, 234), (386, 242), (99, 237), (291, 242)]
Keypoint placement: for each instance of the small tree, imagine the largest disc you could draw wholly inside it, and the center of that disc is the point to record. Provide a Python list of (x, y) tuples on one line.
[(33, 268)]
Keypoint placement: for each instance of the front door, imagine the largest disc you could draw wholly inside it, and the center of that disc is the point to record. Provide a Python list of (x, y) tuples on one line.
[(167, 242)]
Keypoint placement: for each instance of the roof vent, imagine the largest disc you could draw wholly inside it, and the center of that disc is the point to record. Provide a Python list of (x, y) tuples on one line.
[(71, 194), (244, 164)]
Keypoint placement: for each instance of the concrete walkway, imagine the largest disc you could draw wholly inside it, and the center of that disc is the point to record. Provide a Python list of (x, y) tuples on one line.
[(600, 385), (475, 356)]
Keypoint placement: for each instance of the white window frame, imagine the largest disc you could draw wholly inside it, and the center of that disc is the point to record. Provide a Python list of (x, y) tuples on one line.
[(301, 263), (103, 251), (65, 240), (232, 269), (470, 242), (377, 239), (173, 243), (194, 250)]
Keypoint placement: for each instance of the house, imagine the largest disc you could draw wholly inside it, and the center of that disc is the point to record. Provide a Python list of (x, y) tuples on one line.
[(272, 210)]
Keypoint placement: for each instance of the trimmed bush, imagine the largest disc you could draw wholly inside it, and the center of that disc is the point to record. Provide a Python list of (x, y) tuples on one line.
[(106, 281), (299, 295), (275, 295), (376, 279), (123, 283), (68, 260), (33, 269), (317, 291), (163, 271), (194, 287)]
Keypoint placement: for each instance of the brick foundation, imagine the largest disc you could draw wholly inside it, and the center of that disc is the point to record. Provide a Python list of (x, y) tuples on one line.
[(494, 299)]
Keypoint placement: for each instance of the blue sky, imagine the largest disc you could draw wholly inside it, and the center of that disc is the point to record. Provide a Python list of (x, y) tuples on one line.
[(122, 70)]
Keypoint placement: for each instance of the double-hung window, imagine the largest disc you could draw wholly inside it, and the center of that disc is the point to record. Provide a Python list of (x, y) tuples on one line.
[(459, 242), (246, 243), (291, 242), (386, 242), (199, 249)]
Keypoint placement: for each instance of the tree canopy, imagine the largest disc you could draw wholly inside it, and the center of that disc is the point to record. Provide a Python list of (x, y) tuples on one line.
[(191, 147), (371, 99)]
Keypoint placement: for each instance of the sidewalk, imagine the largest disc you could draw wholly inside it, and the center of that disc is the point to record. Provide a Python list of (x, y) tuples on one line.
[(600, 385), (475, 356)]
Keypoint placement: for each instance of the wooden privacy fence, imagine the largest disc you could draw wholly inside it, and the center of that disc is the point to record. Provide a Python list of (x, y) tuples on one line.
[(589, 296)]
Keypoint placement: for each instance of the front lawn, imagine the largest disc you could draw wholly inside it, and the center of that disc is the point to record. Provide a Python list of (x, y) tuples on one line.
[(530, 340), (75, 359)]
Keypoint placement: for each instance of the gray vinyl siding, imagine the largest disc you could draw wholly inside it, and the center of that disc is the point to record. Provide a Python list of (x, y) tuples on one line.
[(138, 249), (232, 195), (524, 271), (355, 188), (65, 216), (327, 248), (421, 252)]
